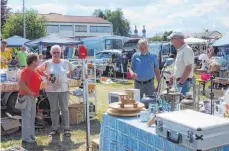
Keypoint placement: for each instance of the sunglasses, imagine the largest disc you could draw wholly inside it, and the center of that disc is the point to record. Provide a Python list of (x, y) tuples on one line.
[(57, 52)]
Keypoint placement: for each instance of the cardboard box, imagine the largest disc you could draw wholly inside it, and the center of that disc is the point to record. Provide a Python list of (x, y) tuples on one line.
[(9, 125), (76, 113), (95, 145)]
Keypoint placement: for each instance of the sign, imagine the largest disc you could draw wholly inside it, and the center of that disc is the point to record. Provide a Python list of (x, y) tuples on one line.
[(82, 52)]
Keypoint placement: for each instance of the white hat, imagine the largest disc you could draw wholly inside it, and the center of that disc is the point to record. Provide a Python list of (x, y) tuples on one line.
[(175, 34)]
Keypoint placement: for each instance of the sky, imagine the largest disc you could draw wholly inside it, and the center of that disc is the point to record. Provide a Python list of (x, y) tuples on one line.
[(188, 16)]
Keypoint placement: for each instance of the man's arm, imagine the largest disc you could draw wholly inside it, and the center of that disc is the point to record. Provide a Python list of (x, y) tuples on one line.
[(157, 73), (185, 74)]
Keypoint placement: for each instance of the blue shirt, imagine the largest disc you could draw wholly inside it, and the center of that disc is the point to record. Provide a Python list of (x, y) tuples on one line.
[(144, 65)]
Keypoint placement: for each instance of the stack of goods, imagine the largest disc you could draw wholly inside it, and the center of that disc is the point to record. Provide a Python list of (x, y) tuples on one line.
[(76, 113), (73, 83), (9, 86)]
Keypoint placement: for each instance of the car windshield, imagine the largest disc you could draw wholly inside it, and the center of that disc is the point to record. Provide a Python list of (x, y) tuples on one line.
[(113, 44), (155, 48), (103, 55), (130, 45)]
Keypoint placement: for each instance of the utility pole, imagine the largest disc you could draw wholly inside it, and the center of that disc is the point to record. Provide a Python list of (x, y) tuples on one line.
[(24, 26)]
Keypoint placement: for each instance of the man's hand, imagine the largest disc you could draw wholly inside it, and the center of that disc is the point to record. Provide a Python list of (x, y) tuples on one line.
[(134, 76)]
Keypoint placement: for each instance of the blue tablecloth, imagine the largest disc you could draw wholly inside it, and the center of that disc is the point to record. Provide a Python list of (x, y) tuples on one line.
[(128, 134)]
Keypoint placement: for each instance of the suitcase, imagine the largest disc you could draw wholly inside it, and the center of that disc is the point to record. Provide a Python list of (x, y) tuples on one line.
[(193, 129)]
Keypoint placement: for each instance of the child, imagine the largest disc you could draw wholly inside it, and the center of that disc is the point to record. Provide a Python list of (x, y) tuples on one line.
[(40, 59)]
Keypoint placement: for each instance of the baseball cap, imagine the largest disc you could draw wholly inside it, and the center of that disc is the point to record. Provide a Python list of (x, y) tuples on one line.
[(175, 34)]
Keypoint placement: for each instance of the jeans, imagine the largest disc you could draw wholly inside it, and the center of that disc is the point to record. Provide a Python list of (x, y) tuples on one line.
[(28, 119), (185, 87)]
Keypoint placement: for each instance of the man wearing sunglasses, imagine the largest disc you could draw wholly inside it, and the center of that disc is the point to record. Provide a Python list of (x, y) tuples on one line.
[(184, 63)]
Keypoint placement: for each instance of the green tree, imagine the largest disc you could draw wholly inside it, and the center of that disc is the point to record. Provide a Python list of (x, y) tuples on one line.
[(157, 38), (166, 34), (4, 12), (36, 26), (121, 26)]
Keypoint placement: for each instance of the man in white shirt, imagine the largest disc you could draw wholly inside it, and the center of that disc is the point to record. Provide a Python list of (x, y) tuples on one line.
[(184, 63)]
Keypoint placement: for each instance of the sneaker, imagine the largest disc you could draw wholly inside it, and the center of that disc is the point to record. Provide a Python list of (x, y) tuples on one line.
[(67, 133), (33, 137), (28, 141), (54, 133)]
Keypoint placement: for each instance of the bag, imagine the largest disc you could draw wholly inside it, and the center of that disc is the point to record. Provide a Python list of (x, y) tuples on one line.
[(21, 102), (22, 99)]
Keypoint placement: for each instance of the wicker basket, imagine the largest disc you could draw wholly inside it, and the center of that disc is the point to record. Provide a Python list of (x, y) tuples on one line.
[(76, 113)]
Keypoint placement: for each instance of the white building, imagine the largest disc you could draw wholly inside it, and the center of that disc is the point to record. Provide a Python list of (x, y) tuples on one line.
[(78, 26)]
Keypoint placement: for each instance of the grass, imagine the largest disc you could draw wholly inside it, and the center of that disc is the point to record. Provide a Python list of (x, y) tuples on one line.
[(78, 138)]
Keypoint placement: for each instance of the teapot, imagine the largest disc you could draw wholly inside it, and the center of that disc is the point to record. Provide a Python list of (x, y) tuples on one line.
[(152, 99)]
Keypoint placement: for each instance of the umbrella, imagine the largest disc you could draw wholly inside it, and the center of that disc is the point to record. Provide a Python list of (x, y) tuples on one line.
[(224, 41), (16, 41), (192, 40), (53, 39)]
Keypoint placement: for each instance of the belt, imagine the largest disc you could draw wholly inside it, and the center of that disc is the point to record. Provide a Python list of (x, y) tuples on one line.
[(188, 79), (143, 82)]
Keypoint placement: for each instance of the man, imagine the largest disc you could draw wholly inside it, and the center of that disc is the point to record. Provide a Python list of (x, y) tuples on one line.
[(184, 63), (21, 56), (5, 54), (144, 67)]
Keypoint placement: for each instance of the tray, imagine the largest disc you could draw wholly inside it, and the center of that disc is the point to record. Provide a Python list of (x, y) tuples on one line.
[(127, 107), (122, 113)]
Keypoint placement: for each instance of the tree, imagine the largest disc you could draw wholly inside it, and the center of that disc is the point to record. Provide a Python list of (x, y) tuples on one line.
[(157, 38), (36, 26), (166, 34), (4, 12), (121, 25)]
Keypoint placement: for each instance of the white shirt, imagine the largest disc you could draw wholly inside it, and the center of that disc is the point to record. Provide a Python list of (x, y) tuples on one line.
[(59, 72), (185, 56)]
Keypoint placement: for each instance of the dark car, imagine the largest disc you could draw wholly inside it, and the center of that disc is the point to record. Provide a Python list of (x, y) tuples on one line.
[(129, 48)]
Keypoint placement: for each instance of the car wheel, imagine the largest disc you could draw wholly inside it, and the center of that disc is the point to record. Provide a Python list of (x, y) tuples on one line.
[(11, 103)]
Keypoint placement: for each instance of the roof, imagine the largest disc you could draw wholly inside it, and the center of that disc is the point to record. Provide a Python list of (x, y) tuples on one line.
[(53, 17), (112, 51), (16, 41), (206, 34), (224, 41), (53, 39)]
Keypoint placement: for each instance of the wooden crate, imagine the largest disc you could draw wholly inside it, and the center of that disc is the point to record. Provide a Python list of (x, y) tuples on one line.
[(95, 145), (76, 113)]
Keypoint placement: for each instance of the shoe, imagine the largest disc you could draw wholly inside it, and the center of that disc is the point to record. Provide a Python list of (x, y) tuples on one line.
[(33, 137), (28, 141), (67, 133), (54, 133)]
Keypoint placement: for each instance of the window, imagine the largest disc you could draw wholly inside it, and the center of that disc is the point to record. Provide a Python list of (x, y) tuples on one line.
[(100, 29), (66, 27), (113, 44), (53, 28), (81, 28)]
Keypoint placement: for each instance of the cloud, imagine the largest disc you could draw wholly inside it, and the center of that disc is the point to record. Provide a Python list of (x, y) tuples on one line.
[(224, 21)]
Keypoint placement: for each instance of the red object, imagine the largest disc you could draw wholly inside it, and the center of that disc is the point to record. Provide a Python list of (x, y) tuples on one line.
[(34, 83), (205, 76), (128, 75), (82, 52)]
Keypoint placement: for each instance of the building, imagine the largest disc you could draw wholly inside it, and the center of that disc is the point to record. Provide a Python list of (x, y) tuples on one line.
[(205, 35), (78, 26)]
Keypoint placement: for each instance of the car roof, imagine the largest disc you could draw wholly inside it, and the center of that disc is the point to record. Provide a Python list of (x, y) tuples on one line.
[(112, 51)]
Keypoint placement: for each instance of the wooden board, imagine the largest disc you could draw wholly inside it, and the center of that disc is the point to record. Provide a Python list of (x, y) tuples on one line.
[(122, 113), (127, 107)]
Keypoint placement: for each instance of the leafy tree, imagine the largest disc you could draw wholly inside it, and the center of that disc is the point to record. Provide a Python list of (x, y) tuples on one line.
[(121, 25), (4, 12), (157, 38), (166, 34), (36, 26)]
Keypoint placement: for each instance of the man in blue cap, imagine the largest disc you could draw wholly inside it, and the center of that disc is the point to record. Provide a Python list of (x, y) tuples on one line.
[(184, 63)]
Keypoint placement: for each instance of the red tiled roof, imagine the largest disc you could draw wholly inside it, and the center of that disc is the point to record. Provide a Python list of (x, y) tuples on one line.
[(53, 17)]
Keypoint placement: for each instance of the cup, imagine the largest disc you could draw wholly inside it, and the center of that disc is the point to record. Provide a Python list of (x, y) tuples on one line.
[(143, 116)]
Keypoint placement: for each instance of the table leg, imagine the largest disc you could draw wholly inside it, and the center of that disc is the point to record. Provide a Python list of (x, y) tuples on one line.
[(198, 99)]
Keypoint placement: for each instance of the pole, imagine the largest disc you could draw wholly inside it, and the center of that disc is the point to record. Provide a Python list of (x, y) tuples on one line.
[(85, 95), (24, 35)]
